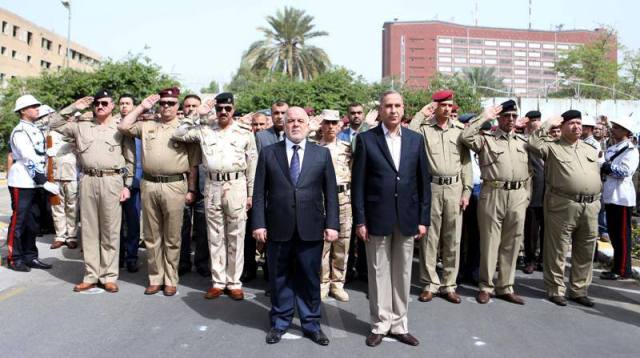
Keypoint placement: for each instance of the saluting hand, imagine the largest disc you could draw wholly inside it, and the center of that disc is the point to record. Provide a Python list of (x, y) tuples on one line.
[(260, 235), (371, 117), (83, 103), (330, 235), (491, 112), (148, 102), (206, 107), (429, 109), (555, 120)]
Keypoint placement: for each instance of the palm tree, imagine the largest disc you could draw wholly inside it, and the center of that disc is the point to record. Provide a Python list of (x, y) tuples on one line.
[(484, 79), (284, 49)]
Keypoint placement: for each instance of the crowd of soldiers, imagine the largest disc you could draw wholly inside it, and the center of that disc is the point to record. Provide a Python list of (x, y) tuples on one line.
[(188, 169)]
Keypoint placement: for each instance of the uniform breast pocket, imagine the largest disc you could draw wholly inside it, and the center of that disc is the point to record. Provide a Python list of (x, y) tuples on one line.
[(237, 146), (83, 144), (209, 145), (435, 146), (490, 156), (113, 146), (523, 156)]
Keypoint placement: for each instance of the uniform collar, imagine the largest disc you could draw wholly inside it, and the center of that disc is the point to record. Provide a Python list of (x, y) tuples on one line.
[(500, 133)]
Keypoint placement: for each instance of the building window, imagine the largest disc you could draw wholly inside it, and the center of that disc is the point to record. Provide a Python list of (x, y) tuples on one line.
[(548, 54), (4, 30), (416, 39), (16, 31), (490, 52), (534, 45), (520, 81), (505, 43), (460, 42), (475, 61), (29, 37), (506, 80), (520, 63), (520, 90), (534, 63), (547, 64), (444, 40), (59, 49), (460, 60), (460, 51), (3, 50), (45, 64), (490, 43), (444, 59), (13, 53), (475, 42), (519, 53), (457, 69), (506, 71), (475, 51), (535, 71), (563, 47), (534, 54), (505, 53), (548, 46), (444, 50), (505, 61), (548, 73), (46, 44), (519, 44), (444, 69), (562, 55), (490, 61), (520, 72), (28, 58)]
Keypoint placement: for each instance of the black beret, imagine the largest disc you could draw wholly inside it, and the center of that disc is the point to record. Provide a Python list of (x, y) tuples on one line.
[(571, 114), (533, 114), (508, 106), (224, 98), (103, 93), (464, 118)]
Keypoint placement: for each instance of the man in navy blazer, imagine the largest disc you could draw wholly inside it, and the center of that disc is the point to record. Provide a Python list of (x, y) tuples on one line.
[(295, 208), (391, 200)]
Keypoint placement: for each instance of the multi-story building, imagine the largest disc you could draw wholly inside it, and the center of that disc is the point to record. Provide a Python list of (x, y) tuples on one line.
[(27, 49), (414, 51)]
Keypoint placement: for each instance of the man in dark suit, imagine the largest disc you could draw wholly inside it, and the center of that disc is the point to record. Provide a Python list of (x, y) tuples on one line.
[(295, 207), (391, 199)]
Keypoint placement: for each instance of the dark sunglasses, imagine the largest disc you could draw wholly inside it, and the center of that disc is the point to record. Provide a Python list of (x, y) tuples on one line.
[(509, 115), (167, 103), (226, 108), (101, 103), (356, 112)]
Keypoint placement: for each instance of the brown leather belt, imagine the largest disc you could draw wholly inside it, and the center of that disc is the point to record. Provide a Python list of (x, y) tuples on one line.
[(506, 185), (103, 172), (578, 198)]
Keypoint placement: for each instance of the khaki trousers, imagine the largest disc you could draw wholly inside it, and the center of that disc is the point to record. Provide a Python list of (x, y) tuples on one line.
[(225, 209), (162, 211), (389, 261), (501, 215), (443, 237), (100, 219), (66, 213), (335, 254), (573, 226)]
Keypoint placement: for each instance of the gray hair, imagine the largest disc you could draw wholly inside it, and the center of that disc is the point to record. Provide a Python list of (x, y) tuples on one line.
[(387, 93)]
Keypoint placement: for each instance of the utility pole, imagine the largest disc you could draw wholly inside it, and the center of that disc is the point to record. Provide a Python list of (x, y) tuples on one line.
[(67, 5)]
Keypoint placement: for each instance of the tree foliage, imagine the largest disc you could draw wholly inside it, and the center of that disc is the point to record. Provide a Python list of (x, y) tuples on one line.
[(136, 76), (284, 48), (213, 87), (484, 79)]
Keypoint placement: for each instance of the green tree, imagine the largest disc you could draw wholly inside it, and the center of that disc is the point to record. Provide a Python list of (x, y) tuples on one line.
[(213, 87), (284, 48), (136, 76), (484, 80), (592, 64), (630, 81)]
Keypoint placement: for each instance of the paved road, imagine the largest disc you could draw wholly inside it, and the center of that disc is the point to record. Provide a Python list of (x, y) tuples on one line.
[(41, 316)]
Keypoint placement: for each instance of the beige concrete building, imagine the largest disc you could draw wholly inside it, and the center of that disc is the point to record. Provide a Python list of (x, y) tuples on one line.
[(26, 49)]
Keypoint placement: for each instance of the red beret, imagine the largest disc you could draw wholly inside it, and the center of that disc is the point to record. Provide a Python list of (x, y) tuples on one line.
[(442, 95), (170, 92), (455, 108)]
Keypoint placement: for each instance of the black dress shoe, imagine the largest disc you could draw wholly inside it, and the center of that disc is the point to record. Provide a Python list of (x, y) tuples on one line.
[(318, 337), (559, 300), (274, 335), (610, 276), (583, 300), (132, 267), (374, 339), (37, 264), (248, 276), (204, 272), (407, 338), (19, 267), (182, 270)]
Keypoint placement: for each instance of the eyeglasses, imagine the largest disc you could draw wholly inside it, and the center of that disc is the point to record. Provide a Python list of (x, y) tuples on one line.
[(355, 112), (509, 115), (101, 104), (224, 108), (167, 103)]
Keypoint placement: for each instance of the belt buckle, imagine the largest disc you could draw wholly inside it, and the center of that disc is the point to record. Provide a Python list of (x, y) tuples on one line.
[(99, 173)]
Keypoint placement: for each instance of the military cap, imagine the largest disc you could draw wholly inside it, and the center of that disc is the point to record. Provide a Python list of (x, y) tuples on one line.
[(571, 114), (533, 114), (103, 93), (224, 98), (442, 95), (466, 117), (330, 115), (508, 106), (455, 108), (173, 92)]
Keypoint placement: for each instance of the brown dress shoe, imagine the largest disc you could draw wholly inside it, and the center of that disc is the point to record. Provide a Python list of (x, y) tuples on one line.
[(407, 338), (56, 245), (72, 245), (451, 297), (83, 286), (374, 339), (237, 294), (111, 287), (425, 296), (170, 290), (483, 297), (152, 289), (213, 292), (511, 297)]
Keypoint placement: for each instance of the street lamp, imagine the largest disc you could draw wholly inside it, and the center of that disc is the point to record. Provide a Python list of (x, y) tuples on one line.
[(67, 5)]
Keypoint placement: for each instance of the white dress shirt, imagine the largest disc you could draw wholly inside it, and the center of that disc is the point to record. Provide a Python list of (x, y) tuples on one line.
[(28, 150), (393, 142), (618, 187), (289, 145)]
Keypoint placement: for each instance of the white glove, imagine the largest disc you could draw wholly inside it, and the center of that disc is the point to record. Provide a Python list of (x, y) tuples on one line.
[(53, 151), (53, 188)]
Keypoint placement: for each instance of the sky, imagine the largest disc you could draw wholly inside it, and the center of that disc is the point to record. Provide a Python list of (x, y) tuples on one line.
[(200, 41)]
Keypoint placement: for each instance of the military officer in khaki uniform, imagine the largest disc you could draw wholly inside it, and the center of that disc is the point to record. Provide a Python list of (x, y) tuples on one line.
[(451, 183), (335, 254), (166, 163), (230, 156), (504, 198), (571, 206), (65, 174), (106, 158)]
